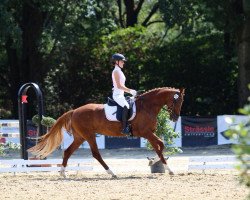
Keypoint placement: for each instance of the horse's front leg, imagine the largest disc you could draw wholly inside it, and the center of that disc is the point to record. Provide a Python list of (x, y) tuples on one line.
[(158, 146)]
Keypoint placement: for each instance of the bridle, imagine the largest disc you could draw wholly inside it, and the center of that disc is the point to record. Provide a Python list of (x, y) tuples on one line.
[(171, 108)]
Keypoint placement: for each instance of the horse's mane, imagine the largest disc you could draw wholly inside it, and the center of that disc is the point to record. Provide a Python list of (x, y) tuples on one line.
[(161, 88)]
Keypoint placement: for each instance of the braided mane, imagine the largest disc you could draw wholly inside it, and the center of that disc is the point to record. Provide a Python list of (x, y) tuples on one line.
[(157, 89)]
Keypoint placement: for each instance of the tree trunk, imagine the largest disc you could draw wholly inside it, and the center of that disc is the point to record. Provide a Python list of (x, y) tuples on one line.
[(27, 67), (243, 46), (132, 17), (14, 75), (228, 50), (132, 12), (119, 3), (32, 26)]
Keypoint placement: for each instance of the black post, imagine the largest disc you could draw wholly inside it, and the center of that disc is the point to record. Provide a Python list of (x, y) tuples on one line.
[(22, 115)]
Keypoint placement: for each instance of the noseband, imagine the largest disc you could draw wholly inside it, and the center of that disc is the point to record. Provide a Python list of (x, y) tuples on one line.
[(171, 108)]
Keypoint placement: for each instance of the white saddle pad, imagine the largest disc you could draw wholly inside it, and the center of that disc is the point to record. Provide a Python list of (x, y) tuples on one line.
[(110, 112)]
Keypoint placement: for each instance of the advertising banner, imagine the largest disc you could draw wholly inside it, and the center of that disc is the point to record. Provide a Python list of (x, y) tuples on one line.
[(32, 134), (121, 142), (9, 131), (199, 131), (225, 122)]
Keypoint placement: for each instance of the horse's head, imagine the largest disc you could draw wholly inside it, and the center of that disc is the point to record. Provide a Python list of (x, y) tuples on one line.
[(174, 103), (159, 97)]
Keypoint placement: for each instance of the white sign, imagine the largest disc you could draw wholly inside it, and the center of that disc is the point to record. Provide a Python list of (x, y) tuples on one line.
[(177, 142), (68, 139), (224, 123)]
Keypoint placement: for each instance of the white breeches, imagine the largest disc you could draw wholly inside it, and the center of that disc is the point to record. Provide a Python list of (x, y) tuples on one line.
[(120, 99)]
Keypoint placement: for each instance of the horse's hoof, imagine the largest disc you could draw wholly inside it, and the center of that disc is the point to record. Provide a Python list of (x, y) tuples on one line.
[(171, 173), (63, 174), (114, 177)]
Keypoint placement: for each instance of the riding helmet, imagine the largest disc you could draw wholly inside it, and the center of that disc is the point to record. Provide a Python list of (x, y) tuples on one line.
[(117, 57)]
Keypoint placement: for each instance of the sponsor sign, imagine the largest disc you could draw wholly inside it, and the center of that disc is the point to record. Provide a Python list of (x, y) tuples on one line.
[(121, 142), (32, 134), (199, 131)]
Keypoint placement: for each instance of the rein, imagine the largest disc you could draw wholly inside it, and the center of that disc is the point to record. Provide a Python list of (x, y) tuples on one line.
[(171, 108)]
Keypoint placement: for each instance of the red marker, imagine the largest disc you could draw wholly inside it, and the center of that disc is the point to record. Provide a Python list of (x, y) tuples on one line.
[(24, 99)]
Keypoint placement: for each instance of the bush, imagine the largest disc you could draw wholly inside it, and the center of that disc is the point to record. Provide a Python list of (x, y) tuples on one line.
[(9, 146), (46, 121), (241, 132), (5, 113)]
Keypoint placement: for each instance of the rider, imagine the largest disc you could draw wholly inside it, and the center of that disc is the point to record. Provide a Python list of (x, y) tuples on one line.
[(119, 88)]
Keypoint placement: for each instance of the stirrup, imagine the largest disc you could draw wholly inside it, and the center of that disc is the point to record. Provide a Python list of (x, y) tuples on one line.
[(126, 131)]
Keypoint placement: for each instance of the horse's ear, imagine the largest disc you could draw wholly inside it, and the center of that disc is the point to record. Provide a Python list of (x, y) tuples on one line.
[(182, 90)]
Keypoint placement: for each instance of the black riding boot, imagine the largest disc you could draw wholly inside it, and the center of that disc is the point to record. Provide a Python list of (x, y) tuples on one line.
[(125, 127)]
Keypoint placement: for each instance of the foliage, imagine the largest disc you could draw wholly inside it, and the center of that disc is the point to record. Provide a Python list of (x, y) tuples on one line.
[(51, 29), (241, 132), (1, 149), (72, 42), (35, 119), (190, 63), (8, 146), (4, 113), (46, 121), (134, 43), (166, 132)]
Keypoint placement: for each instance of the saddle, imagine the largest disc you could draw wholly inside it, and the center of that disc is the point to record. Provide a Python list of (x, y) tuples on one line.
[(113, 110)]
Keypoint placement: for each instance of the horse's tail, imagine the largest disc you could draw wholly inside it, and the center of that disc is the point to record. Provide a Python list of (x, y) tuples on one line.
[(51, 140)]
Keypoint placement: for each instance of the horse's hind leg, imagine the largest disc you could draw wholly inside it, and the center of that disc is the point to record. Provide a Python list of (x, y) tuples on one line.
[(69, 151), (96, 154)]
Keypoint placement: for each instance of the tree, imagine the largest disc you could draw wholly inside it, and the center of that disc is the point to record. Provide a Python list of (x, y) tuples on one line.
[(132, 10), (233, 17), (72, 42), (197, 64), (243, 46), (36, 35)]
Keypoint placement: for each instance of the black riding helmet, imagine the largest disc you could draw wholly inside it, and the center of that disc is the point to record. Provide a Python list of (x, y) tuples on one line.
[(117, 57)]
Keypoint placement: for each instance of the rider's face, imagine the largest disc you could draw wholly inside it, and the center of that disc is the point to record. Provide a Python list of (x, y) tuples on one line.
[(120, 63)]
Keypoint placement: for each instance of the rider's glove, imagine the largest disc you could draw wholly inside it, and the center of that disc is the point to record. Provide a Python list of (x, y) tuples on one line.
[(133, 92)]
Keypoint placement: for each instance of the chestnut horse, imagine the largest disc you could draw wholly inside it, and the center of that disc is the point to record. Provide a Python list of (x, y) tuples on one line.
[(85, 121)]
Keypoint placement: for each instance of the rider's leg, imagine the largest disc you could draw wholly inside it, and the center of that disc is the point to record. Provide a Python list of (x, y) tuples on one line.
[(125, 127), (120, 99)]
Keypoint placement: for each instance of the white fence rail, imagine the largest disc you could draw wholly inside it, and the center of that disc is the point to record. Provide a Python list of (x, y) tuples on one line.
[(20, 165), (212, 162)]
